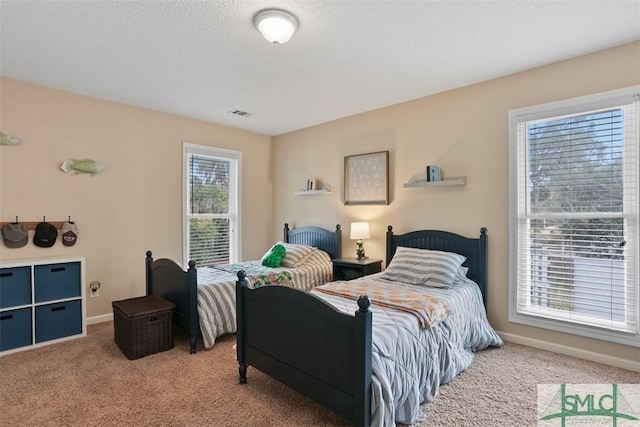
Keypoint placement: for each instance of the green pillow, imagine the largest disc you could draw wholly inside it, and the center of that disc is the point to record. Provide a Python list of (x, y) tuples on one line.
[(273, 258)]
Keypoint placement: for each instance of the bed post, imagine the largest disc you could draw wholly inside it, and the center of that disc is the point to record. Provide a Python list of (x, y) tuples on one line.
[(285, 238), (240, 324), (389, 245), (148, 275), (362, 363), (338, 246), (482, 264), (193, 306)]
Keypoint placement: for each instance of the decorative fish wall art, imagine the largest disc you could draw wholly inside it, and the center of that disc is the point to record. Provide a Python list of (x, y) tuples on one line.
[(82, 166), (9, 140)]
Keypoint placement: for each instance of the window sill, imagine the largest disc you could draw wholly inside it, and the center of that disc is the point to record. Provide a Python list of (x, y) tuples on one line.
[(603, 334)]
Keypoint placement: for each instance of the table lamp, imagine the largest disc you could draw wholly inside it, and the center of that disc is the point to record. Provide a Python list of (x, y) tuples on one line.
[(359, 231)]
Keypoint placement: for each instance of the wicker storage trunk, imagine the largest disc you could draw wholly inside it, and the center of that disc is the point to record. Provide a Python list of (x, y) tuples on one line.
[(143, 325)]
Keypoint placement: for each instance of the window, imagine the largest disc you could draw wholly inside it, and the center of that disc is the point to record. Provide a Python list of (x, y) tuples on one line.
[(211, 205), (574, 216)]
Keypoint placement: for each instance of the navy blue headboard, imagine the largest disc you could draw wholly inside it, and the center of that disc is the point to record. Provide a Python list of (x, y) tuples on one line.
[(475, 249), (328, 241)]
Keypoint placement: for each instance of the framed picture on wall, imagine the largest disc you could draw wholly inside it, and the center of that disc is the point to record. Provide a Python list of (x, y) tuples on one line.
[(366, 179)]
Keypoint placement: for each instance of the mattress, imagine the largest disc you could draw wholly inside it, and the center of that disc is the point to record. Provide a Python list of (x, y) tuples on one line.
[(217, 289), (410, 362)]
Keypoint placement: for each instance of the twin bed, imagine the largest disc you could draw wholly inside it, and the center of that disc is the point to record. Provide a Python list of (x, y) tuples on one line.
[(370, 363), (204, 298), (372, 349)]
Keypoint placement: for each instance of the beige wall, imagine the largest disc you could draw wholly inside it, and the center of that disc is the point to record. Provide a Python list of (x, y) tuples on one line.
[(465, 132), (135, 204)]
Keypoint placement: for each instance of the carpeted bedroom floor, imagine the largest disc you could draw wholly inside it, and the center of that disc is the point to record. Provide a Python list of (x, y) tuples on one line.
[(89, 382)]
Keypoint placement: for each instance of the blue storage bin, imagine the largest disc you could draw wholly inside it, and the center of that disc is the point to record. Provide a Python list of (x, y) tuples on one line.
[(57, 281), (58, 320), (15, 286), (15, 328)]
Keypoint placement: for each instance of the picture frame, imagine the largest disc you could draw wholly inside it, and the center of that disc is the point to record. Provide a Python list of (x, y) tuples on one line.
[(366, 179)]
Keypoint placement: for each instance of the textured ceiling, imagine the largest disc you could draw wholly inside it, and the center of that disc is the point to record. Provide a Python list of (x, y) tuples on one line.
[(203, 59)]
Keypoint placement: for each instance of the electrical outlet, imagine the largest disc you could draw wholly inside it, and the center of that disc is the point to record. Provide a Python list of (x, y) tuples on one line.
[(94, 288)]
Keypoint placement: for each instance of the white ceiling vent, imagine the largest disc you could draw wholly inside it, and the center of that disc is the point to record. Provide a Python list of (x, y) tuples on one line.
[(240, 113)]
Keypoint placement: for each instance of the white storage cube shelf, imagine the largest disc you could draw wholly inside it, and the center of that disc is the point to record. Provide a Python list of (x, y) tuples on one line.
[(41, 302)]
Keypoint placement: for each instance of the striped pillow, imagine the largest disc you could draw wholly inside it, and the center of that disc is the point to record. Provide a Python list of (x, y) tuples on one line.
[(295, 255), (423, 267)]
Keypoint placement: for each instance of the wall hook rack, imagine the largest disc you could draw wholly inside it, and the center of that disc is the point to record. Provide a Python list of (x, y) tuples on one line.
[(31, 225)]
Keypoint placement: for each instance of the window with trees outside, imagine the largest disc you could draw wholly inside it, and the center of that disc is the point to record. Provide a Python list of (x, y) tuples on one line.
[(573, 263), (211, 205)]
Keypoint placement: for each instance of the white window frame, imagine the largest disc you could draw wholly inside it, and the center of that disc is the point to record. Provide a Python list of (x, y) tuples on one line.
[(556, 109), (235, 223)]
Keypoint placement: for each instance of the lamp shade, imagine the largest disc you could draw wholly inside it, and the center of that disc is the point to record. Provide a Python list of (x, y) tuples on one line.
[(276, 26), (360, 230)]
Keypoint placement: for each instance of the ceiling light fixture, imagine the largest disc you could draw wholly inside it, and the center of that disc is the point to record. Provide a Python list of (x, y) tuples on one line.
[(277, 26)]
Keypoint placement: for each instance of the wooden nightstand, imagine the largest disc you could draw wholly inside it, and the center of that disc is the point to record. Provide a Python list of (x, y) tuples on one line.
[(352, 268)]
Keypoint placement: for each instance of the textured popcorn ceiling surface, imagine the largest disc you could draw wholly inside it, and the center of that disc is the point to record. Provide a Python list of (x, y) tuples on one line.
[(203, 59)]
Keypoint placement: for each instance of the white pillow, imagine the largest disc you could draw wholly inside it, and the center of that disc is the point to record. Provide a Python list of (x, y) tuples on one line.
[(423, 267), (295, 254)]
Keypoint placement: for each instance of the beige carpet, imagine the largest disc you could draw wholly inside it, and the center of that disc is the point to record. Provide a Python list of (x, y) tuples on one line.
[(89, 382)]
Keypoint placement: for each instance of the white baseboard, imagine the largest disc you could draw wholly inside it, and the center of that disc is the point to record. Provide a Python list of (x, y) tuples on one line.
[(573, 352), (517, 339), (99, 319)]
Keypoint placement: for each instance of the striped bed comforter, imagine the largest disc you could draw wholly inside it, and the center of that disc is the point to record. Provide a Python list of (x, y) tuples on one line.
[(410, 362), (217, 289)]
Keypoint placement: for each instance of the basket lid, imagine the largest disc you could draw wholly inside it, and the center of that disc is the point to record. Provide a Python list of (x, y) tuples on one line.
[(142, 306)]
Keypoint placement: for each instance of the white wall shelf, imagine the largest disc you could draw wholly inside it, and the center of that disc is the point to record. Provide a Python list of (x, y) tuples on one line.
[(312, 192), (454, 180)]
